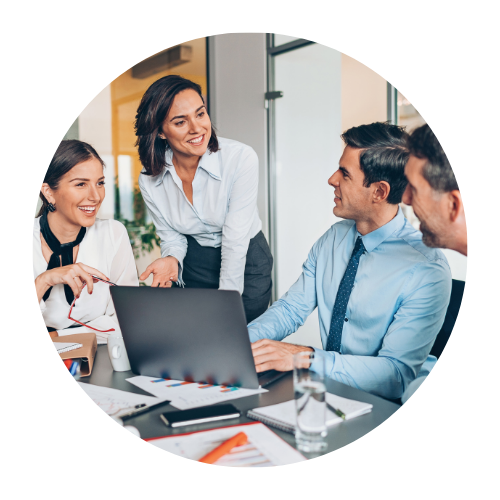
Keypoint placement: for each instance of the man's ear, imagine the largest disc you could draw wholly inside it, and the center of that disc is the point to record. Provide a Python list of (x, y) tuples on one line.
[(47, 192), (381, 191), (455, 205)]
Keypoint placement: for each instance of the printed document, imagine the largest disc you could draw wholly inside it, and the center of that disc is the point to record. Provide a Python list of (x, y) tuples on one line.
[(186, 395), (264, 447), (113, 401)]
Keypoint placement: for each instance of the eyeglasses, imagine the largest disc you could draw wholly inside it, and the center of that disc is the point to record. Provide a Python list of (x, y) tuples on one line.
[(83, 324)]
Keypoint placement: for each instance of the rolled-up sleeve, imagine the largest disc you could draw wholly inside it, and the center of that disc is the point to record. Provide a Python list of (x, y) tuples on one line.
[(242, 206), (173, 243)]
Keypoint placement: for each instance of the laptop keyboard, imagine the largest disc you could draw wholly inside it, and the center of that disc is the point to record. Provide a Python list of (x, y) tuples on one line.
[(268, 377)]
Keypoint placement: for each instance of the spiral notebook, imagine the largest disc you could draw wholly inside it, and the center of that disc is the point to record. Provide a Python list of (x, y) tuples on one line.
[(67, 346), (282, 415), (86, 352)]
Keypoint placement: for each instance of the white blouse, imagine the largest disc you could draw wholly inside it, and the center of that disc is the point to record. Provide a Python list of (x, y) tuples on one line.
[(223, 213), (105, 247)]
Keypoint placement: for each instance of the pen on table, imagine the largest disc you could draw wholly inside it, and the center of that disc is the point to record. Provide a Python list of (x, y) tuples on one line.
[(143, 409), (339, 413), (223, 449)]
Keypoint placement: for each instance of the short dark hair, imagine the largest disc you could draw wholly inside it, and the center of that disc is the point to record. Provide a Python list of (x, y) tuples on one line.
[(151, 113), (69, 154), (422, 143), (383, 157)]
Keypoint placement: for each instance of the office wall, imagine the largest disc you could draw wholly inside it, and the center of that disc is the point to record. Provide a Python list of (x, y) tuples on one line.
[(364, 94), (94, 127), (237, 84), (307, 149)]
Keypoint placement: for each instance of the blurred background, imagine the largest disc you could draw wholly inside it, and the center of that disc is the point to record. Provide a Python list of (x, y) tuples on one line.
[(288, 98)]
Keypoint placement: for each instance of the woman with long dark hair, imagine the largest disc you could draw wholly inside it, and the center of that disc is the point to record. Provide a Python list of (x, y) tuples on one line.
[(70, 246), (201, 191)]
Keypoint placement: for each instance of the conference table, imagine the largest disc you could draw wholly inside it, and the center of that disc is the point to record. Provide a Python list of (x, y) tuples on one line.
[(150, 425)]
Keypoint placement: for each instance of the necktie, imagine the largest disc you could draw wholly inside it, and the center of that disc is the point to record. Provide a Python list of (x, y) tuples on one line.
[(343, 294), (65, 251)]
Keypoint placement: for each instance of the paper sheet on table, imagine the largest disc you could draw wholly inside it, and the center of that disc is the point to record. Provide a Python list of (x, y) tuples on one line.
[(101, 338), (186, 395), (113, 401), (264, 448), (66, 346)]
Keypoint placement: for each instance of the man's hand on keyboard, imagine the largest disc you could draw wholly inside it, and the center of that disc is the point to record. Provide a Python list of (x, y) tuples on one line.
[(275, 355)]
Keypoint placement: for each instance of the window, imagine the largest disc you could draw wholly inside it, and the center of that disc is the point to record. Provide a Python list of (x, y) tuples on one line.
[(107, 123)]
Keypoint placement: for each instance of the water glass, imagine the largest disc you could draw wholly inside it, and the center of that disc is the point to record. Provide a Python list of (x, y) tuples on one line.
[(310, 405)]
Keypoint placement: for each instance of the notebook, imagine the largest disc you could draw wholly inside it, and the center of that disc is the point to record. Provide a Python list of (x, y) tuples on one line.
[(66, 346), (86, 353), (282, 416)]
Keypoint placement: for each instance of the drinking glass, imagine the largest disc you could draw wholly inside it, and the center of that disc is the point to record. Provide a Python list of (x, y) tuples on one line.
[(310, 405)]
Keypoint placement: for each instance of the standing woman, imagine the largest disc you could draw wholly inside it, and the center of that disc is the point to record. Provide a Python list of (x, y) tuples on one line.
[(201, 192)]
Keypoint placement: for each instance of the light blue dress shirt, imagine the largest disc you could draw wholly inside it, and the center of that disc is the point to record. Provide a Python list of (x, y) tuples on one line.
[(224, 210), (421, 378), (394, 313)]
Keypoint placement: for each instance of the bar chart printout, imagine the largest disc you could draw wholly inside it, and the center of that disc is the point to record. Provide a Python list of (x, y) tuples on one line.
[(264, 447), (185, 395)]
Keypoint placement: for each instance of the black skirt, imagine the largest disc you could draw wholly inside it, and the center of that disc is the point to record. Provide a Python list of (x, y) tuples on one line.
[(201, 269)]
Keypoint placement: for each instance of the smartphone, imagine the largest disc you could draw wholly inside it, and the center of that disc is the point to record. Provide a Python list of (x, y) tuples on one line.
[(199, 415)]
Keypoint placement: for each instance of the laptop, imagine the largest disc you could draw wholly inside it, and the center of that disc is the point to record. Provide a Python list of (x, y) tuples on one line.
[(192, 334)]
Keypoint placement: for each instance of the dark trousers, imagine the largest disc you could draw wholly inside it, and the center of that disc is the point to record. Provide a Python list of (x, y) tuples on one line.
[(201, 269)]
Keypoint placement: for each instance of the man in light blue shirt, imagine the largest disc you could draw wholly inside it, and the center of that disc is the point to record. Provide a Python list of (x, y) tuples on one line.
[(381, 293)]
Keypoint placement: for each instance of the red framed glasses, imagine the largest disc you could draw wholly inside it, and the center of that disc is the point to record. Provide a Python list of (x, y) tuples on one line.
[(83, 324)]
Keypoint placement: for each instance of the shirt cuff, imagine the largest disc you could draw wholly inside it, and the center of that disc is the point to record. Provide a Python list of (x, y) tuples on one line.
[(329, 361), (180, 261), (228, 284), (412, 387)]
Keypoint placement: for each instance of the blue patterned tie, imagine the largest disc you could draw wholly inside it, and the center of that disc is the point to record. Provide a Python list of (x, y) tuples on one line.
[(343, 294)]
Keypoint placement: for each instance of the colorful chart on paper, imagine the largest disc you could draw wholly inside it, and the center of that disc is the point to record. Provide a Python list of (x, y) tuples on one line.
[(184, 395)]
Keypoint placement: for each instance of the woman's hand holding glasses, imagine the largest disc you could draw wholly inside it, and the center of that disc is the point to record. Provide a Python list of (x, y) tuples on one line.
[(76, 276)]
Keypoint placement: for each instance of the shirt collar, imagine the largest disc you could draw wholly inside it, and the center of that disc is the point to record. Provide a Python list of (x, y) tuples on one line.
[(208, 162), (375, 238)]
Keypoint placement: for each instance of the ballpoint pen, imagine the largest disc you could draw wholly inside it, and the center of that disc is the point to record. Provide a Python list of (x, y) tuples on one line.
[(104, 281), (144, 409), (339, 413), (73, 365), (133, 408)]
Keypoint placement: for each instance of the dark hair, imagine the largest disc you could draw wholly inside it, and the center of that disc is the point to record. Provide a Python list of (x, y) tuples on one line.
[(422, 143), (384, 155), (151, 113), (69, 154)]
